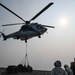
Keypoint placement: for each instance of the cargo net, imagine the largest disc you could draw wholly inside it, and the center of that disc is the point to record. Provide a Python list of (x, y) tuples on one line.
[(22, 67)]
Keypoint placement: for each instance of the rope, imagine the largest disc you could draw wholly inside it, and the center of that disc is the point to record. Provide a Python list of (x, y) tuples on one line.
[(25, 59), (26, 56)]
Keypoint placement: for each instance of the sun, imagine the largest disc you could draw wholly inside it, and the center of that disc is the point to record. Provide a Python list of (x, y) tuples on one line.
[(63, 21)]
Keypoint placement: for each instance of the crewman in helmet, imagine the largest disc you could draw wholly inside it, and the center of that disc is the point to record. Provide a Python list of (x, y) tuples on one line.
[(58, 70)]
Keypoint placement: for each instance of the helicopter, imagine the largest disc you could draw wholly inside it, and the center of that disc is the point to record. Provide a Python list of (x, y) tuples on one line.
[(28, 30)]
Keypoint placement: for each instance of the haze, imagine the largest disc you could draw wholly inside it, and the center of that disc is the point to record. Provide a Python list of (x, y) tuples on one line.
[(57, 44)]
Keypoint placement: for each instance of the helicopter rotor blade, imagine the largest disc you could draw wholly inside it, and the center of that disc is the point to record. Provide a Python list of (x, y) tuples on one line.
[(12, 12), (48, 26), (45, 8), (12, 24)]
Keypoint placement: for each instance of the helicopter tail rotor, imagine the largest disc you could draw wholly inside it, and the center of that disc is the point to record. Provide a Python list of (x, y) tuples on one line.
[(3, 35)]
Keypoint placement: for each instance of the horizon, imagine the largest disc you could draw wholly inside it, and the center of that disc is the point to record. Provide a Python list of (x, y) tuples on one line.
[(58, 44)]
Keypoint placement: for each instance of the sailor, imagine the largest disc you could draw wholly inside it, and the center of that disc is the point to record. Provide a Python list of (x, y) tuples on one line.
[(58, 70), (68, 70)]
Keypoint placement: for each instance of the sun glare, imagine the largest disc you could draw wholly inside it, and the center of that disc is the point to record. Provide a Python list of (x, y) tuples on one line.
[(63, 21)]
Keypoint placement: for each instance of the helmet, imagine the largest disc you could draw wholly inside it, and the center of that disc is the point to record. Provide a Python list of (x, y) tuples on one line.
[(65, 66), (57, 63)]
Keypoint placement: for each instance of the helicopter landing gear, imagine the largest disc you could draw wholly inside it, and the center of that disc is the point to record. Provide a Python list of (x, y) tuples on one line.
[(25, 41), (39, 36), (18, 37)]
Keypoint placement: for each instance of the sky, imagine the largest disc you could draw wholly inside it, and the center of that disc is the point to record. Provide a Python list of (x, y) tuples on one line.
[(55, 44)]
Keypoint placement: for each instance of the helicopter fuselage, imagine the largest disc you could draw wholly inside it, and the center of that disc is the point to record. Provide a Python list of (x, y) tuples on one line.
[(28, 31)]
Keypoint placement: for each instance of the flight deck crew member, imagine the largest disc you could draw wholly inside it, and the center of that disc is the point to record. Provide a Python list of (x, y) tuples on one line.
[(58, 70), (68, 70)]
